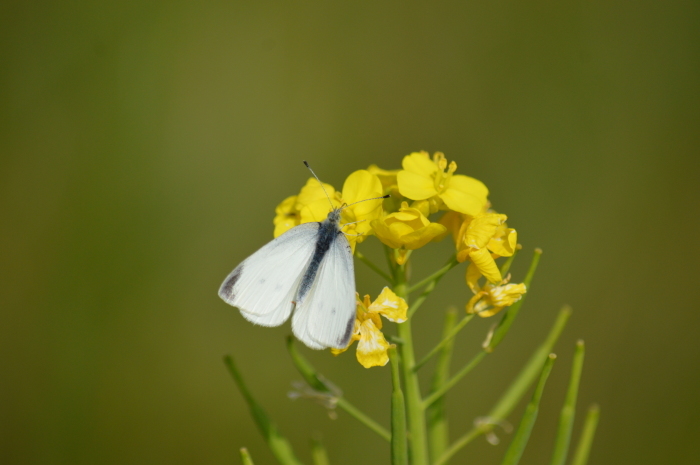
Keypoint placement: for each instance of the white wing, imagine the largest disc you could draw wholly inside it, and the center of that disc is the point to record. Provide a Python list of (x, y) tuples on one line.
[(326, 316), (263, 285)]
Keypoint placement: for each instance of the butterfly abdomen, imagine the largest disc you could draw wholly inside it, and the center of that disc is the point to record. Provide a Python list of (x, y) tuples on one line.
[(327, 233)]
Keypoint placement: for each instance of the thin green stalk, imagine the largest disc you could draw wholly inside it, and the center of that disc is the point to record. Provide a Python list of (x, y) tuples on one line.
[(399, 451), (360, 256), (319, 456), (531, 369), (437, 275), (522, 435), (315, 380), (446, 339), (516, 390), (363, 418), (586, 440), (438, 434), (424, 295), (246, 459), (454, 380), (414, 406), (568, 411), (461, 442), (278, 444), (512, 312)]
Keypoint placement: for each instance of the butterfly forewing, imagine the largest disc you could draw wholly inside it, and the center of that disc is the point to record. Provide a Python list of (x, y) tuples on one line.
[(264, 285)]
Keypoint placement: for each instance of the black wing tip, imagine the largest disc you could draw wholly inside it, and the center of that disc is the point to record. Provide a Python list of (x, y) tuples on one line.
[(226, 289), (348, 332)]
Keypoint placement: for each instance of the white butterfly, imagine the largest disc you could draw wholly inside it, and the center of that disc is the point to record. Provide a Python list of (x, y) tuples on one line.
[(308, 270)]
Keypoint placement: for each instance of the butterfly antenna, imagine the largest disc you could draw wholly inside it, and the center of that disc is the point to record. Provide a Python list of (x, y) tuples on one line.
[(319, 181), (365, 200)]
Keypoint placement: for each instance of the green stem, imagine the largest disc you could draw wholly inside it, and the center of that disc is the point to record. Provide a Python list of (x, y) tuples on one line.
[(461, 442), (436, 414), (278, 444), (319, 456), (315, 380), (566, 419), (360, 256), (454, 380), (512, 312), (246, 459), (414, 405), (437, 275), (445, 340), (399, 452), (426, 292), (363, 418), (586, 440), (522, 435), (529, 372), (516, 390)]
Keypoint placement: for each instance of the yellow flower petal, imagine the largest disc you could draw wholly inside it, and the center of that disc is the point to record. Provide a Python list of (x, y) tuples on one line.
[(286, 216), (492, 299), (372, 347), (482, 229), (419, 163), (422, 206), (386, 177), (452, 221), (400, 229), (385, 234), (473, 275), (390, 305), (417, 239), (483, 260), (317, 210), (465, 195), (360, 186), (504, 246), (312, 191), (508, 294), (415, 186)]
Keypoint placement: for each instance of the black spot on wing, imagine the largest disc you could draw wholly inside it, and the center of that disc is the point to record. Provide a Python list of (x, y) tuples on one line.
[(348, 332), (226, 290)]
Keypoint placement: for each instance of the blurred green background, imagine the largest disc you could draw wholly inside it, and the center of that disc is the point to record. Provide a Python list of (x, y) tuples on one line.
[(144, 146)]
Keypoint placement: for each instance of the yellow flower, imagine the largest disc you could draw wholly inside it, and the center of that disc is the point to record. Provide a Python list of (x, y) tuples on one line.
[(481, 239), (355, 219), (389, 186), (372, 346), (491, 299), (407, 229), (423, 179), (312, 205), (386, 177), (286, 216)]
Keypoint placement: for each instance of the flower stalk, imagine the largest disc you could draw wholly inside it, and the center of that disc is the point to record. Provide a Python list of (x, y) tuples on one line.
[(414, 403)]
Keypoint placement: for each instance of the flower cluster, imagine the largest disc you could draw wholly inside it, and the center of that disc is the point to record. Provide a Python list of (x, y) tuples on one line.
[(425, 187)]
